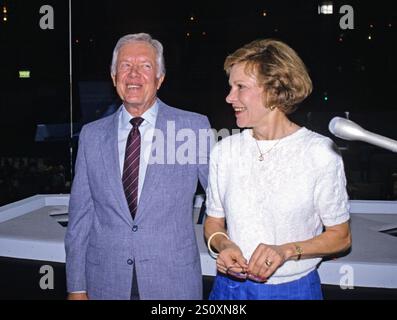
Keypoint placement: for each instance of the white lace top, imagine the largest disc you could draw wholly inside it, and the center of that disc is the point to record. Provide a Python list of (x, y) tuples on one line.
[(299, 187)]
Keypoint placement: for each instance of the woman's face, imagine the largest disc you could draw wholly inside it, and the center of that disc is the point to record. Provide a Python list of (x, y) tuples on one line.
[(246, 98)]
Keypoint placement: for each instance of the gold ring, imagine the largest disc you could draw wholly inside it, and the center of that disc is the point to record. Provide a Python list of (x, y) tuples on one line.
[(268, 263)]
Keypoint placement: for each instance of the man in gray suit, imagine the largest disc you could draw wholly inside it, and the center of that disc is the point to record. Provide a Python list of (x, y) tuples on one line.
[(131, 232)]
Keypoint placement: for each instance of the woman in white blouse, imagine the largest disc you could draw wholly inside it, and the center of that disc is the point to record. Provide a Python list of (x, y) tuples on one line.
[(276, 199)]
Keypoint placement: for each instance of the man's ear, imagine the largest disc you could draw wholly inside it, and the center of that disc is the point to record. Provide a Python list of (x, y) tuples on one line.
[(160, 81), (113, 79)]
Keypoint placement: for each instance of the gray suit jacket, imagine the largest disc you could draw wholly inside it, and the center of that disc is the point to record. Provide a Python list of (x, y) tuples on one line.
[(102, 240)]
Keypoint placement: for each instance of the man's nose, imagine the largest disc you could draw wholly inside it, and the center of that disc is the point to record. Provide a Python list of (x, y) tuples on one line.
[(134, 71)]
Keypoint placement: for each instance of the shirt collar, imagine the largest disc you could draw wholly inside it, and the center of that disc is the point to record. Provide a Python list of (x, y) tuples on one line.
[(149, 115)]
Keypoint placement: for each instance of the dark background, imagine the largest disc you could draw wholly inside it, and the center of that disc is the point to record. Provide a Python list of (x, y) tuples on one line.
[(353, 71)]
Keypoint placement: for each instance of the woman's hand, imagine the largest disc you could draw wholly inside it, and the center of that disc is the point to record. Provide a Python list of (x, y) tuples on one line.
[(265, 260), (231, 257), (230, 254)]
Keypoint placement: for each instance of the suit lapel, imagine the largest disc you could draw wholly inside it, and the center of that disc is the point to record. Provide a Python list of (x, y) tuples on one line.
[(110, 157), (153, 171)]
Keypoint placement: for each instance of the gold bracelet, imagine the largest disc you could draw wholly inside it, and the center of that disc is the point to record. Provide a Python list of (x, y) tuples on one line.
[(212, 253), (298, 251)]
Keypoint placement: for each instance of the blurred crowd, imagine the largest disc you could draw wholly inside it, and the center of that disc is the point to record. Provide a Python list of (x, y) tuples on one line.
[(24, 177)]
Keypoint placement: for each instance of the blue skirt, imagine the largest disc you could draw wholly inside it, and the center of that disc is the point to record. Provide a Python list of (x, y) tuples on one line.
[(305, 288)]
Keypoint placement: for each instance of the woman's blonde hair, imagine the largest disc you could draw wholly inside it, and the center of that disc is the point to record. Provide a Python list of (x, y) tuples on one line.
[(278, 68)]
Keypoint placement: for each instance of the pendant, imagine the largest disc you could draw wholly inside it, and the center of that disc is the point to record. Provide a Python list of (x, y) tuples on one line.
[(261, 157)]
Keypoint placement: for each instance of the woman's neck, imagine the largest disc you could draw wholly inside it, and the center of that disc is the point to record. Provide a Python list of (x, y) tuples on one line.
[(277, 129)]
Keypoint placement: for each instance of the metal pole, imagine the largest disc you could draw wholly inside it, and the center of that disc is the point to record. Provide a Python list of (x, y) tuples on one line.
[(71, 89)]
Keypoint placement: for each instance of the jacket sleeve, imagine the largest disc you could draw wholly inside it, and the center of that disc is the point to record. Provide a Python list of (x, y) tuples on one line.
[(81, 211), (205, 144)]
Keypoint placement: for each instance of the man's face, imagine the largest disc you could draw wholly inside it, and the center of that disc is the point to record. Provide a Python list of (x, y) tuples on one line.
[(136, 77)]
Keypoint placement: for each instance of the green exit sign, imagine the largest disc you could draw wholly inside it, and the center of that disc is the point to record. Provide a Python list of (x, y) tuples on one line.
[(24, 74)]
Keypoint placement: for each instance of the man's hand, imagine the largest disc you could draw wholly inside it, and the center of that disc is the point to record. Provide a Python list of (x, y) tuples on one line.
[(77, 296)]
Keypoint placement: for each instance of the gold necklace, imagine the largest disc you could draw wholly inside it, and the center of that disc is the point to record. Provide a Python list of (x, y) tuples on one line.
[(262, 154)]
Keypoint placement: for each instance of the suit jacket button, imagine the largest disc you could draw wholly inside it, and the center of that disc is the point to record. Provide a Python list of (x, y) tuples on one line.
[(130, 262), (134, 228)]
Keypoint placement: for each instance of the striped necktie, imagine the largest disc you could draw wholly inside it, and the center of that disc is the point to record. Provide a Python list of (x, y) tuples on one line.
[(131, 165)]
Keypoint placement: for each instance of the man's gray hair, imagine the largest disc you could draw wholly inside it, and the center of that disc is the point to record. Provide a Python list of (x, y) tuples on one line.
[(140, 37)]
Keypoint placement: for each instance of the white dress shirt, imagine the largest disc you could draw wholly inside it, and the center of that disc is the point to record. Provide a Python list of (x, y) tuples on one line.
[(146, 129)]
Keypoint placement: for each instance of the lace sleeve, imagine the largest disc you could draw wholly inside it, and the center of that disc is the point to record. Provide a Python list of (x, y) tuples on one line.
[(330, 194), (213, 202)]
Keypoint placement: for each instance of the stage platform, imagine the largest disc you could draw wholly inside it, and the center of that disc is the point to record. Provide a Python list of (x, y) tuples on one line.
[(32, 235)]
